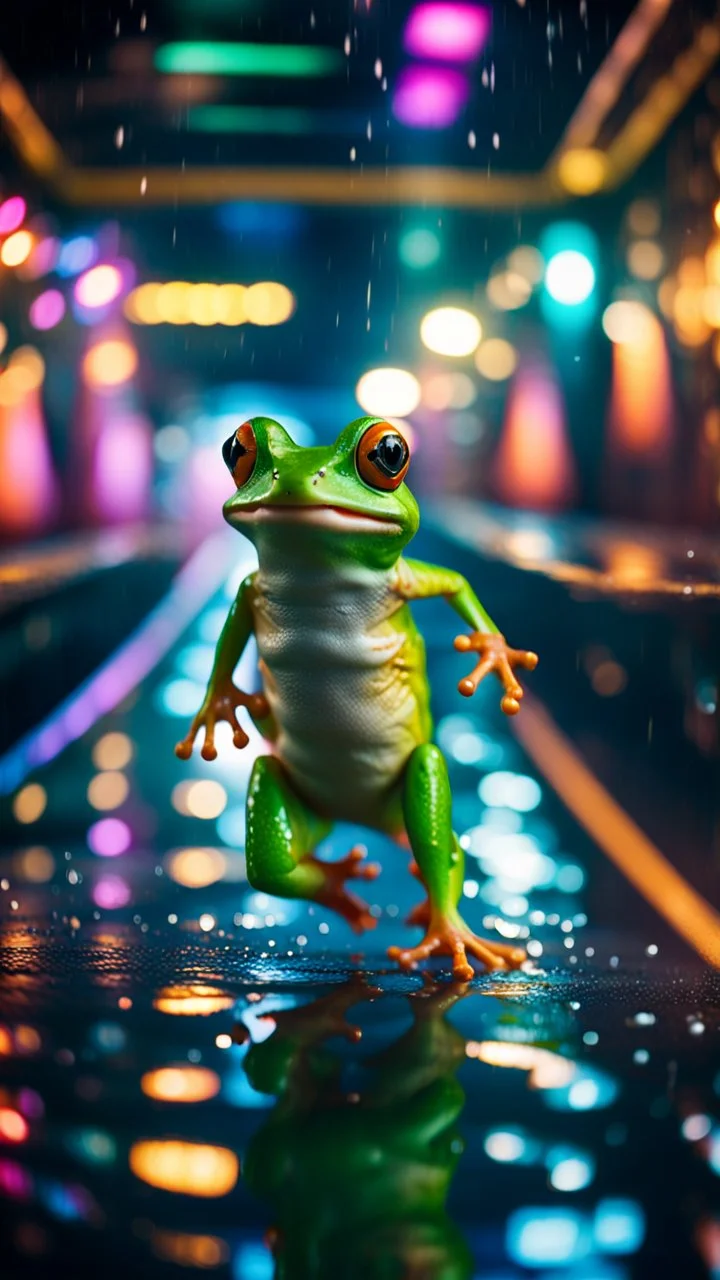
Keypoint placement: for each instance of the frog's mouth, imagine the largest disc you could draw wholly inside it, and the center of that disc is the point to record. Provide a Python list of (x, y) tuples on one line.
[(318, 515)]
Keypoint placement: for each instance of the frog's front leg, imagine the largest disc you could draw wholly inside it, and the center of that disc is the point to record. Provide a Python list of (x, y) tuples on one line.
[(428, 821), (282, 832)]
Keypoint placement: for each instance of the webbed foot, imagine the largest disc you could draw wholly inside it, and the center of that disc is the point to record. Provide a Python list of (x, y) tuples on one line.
[(449, 936), (334, 894)]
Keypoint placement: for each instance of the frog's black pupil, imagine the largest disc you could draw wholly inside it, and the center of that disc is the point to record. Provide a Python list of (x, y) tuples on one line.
[(389, 455), (232, 451)]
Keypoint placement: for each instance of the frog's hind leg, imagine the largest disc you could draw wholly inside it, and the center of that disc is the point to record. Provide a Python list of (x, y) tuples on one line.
[(282, 832), (427, 807)]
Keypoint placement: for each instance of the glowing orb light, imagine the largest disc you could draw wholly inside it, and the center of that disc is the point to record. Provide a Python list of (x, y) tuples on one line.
[(16, 249), (570, 277), (419, 248), (429, 97), (388, 391), (110, 363), (109, 837), (450, 331), (111, 892), (47, 310), (189, 1168), (99, 286), (447, 32), (12, 214)]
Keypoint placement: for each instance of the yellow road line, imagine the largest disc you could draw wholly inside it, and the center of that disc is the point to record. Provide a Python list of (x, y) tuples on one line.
[(632, 852)]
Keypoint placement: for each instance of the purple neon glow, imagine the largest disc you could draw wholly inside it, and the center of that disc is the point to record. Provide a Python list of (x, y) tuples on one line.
[(122, 464), (109, 837), (111, 892), (15, 1181), (203, 574), (12, 214), (446, 31), (47, 310), (429, 97)]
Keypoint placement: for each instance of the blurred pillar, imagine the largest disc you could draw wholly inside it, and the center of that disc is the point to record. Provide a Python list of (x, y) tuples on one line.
[(534, 465)]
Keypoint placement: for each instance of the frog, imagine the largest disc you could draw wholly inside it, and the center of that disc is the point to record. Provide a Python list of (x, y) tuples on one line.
[(344, 702)]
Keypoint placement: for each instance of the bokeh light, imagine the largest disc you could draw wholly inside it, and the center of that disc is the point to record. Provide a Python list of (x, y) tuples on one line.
[(582, 171), (195, 868), (388, 392), (112, 751), (3, 337), (643, 217), (204, 798), (47, 310), (30, 803), (111, 892), (108, 790), (419, 248), (187, 1168), (99, 286), (36, 865), (12, 214), (16, 249), (181, 1084), (645, 259), (194, 1000), (268, 303), (447, 31), (429, 97), (569, 277), (508, 290), (76, 255), (496, 359), (110, 363), (450, 331), (109, 837), (448, 391)]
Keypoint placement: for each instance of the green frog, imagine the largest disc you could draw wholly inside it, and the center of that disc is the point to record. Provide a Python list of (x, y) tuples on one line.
[(345, 699)]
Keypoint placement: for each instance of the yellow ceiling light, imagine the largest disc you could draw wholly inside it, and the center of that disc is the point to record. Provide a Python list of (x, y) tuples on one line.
[(201, 304), (187, 1168), (268, 303), (496, 359), (141, 307), (230, 304), (582, 171), (173, 301), (450, 331), (383, 392)]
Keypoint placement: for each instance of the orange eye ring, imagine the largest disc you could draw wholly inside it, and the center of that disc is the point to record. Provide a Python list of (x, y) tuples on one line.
[(382, 457), (240, 454)]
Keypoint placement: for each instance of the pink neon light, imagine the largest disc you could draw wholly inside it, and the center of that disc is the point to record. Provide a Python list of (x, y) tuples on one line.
[(109, 837), (12, 213), (534, 466), (111, 892), (446, 31), (47, 310), (429, 97)]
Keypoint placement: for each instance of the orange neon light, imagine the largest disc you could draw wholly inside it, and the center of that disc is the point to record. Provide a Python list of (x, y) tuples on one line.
[(640, 861), (534, 465)]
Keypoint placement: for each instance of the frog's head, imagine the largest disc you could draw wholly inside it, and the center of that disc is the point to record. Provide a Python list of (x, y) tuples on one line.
[(345, 500)]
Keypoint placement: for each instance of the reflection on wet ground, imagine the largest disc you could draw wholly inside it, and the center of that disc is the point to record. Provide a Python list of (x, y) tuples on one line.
[(198, 1077)]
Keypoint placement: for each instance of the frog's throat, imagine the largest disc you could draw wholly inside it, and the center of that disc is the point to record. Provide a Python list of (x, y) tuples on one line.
[(339, 519)]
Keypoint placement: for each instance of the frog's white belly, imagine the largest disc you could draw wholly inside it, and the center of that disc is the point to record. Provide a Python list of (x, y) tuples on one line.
[(334, 675)]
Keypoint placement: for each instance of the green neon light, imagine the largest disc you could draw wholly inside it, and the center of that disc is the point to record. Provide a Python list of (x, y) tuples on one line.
[(229, 119), (224, 59)]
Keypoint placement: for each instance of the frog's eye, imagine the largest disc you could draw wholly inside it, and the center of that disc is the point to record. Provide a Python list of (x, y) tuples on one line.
[(240, 452), (382, 457)]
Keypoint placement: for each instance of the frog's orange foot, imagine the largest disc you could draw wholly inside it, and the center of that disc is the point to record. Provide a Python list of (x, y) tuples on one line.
[(448, 937), (338, 898)]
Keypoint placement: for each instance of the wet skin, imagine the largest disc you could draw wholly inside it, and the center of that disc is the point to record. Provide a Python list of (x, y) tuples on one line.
[(345, 700)]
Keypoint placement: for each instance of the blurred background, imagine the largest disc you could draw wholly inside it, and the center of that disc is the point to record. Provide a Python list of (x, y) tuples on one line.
[(496, 222)]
